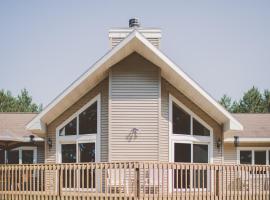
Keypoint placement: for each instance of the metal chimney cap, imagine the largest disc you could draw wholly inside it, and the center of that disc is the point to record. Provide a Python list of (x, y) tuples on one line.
[(134, 23)]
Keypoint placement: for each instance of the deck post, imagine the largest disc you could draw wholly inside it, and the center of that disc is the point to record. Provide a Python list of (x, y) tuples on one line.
[(137, 180)]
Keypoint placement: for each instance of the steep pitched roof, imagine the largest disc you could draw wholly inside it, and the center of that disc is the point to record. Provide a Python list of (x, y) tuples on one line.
[(135, 42), (256, 128), (12, 126)]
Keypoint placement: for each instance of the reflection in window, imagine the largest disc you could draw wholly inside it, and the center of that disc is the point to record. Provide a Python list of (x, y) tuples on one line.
[(199, 129), (27, 156), (13, 157), (246, 157), (200, 153), (260, 158), (88, 120), (68, 153), (87, 152), (182, 152), (181, 121), (70, 128)]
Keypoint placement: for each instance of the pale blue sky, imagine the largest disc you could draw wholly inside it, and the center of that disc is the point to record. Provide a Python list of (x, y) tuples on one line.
[(222, 45)]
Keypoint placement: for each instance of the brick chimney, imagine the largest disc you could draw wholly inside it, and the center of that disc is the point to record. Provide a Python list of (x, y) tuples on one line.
[(116, 35)]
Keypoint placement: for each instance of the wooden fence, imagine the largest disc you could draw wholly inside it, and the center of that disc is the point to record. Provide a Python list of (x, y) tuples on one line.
[(134, 180)]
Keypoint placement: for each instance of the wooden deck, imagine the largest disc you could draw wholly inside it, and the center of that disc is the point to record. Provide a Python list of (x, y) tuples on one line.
[(134, 180)]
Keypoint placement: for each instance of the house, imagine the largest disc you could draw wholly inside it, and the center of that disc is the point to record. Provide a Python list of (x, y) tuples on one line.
[(135, 125)]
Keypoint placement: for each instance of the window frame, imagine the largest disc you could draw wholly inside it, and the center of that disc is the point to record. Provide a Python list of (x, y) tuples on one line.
[(185, 138), (76, 139), (253, 149)]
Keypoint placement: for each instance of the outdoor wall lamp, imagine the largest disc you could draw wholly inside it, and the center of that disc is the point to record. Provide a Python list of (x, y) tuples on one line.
[(31, 137), (219, 143), (236, 141), (49, 142)]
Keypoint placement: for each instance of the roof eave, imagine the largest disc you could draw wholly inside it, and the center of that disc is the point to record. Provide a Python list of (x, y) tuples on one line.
[(135, 42)]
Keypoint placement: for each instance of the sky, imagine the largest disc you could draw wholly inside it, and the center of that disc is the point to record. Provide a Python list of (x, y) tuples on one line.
[(45, 45)]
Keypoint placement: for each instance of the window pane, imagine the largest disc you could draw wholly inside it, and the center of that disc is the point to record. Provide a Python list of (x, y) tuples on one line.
[(2, 156), (13, 157), (200, 153), (260, 158), (87, 152), (27, 156), (182, 152), (68, 153), (246, 157), (88, 120), (70, 128), (199, 129), (181, 121)]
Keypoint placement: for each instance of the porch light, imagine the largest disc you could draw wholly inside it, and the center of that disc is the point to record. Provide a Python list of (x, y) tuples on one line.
[(31, 137), (49, 142), (219, 143), (236, 141)]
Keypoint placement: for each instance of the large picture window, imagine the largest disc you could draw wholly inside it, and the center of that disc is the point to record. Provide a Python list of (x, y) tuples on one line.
[(190, 142), (78, 142), (78, 137)]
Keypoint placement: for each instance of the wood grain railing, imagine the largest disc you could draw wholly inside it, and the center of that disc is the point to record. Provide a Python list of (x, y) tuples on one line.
[(134, 180)]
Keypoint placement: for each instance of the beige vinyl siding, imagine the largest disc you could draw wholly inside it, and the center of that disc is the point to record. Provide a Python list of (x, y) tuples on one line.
[(166, 89), (102, 88), (134, 103), (40, 152)]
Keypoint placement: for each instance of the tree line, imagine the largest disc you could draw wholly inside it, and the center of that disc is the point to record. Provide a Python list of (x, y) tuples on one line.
[(252, 101), (21, 103)]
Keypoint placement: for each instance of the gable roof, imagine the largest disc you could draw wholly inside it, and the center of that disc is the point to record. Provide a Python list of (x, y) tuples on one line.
[(135, 42), (256, 128), (12, 127)]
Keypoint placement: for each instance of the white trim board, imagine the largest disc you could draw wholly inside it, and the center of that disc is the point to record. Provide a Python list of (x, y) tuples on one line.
[(134, 42)]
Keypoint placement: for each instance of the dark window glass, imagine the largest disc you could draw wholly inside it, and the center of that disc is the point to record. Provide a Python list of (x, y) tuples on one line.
[(13, 157), (2, 156), (183, 180), (181, 121), (200, 179), (68, 153), (87, 152), (182, 152), (88, 120), (200, 153), (199, 129), (70, 128), (27, 156), (260, 158), (246, 157)]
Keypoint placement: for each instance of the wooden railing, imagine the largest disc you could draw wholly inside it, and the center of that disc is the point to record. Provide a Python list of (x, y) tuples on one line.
[(134, 180)]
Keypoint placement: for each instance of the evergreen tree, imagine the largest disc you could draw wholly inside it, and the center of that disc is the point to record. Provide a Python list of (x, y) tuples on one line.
[(21, 103)]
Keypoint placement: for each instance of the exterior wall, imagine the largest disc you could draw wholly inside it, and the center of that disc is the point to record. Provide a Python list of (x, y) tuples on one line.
[(167, 89), (102, 88), (134, 103)]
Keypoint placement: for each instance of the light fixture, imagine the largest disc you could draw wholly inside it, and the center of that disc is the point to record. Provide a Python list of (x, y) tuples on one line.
[(49, 142), (31, 137), (236, 141), (219, 143)]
